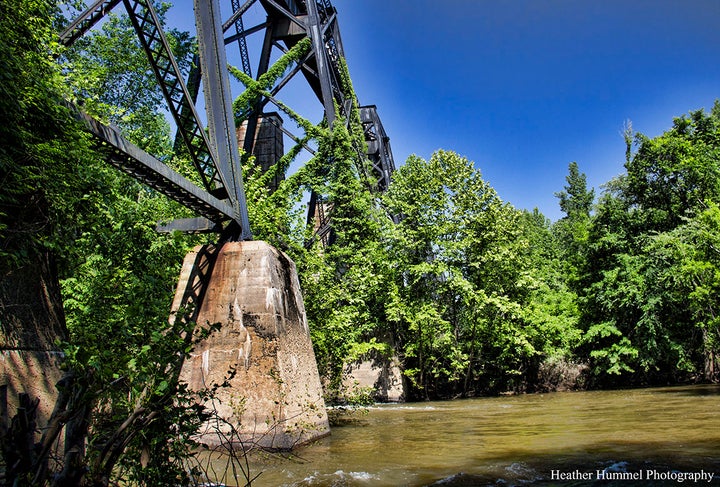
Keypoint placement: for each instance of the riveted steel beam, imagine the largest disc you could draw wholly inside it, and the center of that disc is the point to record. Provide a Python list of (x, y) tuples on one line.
[(142, 166), (147, 26), (218, 102), (86, 20), (378, 147)]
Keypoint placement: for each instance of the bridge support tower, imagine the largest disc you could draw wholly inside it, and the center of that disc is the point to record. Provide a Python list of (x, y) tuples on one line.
[(274, 396)]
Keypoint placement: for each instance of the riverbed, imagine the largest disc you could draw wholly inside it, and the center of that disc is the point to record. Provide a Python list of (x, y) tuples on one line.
[(623, 437)]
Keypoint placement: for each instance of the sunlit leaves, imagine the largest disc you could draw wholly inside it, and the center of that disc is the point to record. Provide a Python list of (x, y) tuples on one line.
[(650, 274), (469, 307)]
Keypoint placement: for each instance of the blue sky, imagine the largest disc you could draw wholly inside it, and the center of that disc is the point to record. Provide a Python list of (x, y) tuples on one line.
[(524, 87)]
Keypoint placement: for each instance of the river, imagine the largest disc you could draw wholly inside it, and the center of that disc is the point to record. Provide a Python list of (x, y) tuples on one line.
[(568, 438)]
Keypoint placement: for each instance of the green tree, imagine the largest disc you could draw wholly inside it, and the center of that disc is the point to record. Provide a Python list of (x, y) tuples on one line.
[(672, 176), (121, 409), (575, 200), (637, 317), (344, 283), (572, 230), (40, 143), (469, 311), (108, 73), (689, 275), (552, 307)]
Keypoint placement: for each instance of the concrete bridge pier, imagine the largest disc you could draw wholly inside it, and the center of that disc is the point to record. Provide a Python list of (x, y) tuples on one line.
[(252, 290)]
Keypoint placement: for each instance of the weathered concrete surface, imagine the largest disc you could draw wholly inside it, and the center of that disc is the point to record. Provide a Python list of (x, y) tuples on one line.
[(31, 320), (379, 373), (34, 373), (268, 146), (275, 398)]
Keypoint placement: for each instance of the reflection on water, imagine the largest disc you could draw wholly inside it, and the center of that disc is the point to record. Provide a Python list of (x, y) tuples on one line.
[(544, 439)]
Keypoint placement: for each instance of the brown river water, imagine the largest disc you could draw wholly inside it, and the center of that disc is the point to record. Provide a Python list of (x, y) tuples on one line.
[(654, 436)]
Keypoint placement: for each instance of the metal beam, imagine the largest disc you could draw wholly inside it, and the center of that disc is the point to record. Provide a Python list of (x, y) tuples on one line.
[(378, 147), (218, 103), (263, 65), (215, 156), (147, 26), (189, 225), (314, 31), (245, 33), (242, 43), (86, 20), (128, 157), (287, 13), (238, 13)]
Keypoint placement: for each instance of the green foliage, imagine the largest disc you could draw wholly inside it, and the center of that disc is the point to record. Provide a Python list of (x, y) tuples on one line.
[(343, 283), (690, 276), (108, 73), (472, 295), (255, 88), (469, 310), (575, 200), (40, 140), (572, 230), (673, 175), (647, 260)]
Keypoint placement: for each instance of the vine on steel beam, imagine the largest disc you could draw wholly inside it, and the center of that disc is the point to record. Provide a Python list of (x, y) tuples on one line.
[(285, 24)]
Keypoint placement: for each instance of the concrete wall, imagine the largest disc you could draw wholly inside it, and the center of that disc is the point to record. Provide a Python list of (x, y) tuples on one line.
[(379, 373), (268, 146), (274, 398), (34, 373), (31, 320)]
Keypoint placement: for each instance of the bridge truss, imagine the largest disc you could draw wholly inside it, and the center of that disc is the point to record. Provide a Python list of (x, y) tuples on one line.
[(214, 151)]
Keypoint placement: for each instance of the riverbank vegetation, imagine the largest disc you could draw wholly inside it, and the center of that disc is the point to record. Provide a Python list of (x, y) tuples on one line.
[(475, 296), (472, 295), (478, 297)]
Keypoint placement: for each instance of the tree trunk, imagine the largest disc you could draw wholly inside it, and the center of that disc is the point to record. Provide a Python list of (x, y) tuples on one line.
[(710, 372)]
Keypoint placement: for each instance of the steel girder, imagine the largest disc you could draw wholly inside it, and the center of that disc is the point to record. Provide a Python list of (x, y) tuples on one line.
[(378, 147), (240, 31), (129, 158), (218, 100), (87, 20), (287, 23)]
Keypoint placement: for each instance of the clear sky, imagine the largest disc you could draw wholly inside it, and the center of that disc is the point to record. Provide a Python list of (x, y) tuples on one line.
[(524, 87)]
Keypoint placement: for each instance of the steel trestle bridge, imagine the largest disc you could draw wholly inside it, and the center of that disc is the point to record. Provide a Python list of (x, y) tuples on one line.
[(219, 200)]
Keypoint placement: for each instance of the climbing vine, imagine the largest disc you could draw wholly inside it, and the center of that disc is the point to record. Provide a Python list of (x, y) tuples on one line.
[(246, 102)]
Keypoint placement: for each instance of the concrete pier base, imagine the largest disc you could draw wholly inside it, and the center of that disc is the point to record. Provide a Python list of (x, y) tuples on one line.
[(377, 373), (273, 396)]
